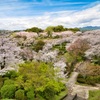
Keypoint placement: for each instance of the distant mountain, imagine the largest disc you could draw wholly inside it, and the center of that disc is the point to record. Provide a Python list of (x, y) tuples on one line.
[(87, 28)]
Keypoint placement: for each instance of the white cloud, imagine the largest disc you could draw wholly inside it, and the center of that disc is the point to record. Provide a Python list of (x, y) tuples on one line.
[(87, 17)]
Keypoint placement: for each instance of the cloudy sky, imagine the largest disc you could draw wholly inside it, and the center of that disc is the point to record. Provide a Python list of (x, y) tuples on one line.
[(22, 14)]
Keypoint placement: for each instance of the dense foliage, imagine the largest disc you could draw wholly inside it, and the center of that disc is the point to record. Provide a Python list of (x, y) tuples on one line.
[(34, 29), (60, 28), (38, 45), (96, 59), (90, 80), (50, 29), (61, 47), (33, 80), (73, 29)]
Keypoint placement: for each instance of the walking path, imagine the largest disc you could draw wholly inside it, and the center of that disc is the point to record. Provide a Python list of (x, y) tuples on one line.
[(80, 91)]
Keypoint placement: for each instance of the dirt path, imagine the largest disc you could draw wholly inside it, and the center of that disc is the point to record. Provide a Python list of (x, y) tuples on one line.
[(80, 91), (72, 79)]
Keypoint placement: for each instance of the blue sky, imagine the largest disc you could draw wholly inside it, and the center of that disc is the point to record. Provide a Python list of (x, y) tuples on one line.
[(19, 14)]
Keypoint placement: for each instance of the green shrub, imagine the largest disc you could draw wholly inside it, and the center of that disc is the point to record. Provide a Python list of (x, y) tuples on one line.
[(59, 28), (52, 88), (48, 93), (61, 47), (11, 74), (8, 82), (30, 95), (81, 80), (57, 36), (39, 45), (19, 94), (8, 91), (96, 60), (74, 29), (91, 80), (34, 29), (17, 36), (61, 94)]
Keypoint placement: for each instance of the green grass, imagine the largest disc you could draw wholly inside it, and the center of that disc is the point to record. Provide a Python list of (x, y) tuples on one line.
[(61, 95), (94, 95)]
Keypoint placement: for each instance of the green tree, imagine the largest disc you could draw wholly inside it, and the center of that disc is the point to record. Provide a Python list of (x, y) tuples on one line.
[(30, 95), (38, 46), (59, 28), (49, 30), (19, 94), (11, 74), (74, 29), (8, 91), (34, 29), (40, 76)]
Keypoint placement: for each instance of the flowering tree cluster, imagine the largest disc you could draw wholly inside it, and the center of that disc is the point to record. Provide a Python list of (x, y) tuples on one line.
[(9, 53), (75, 52), (78, 47)]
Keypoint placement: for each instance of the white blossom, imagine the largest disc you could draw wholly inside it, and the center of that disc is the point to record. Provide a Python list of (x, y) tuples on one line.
[(9, 53)]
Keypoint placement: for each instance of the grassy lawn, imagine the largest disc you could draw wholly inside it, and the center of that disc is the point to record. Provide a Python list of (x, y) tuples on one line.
[(94, 95)]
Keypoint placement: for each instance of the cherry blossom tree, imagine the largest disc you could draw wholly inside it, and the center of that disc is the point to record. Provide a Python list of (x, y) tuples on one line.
[(9, 53)]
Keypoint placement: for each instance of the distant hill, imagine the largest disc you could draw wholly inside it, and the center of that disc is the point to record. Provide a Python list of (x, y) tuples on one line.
[(87, 28)]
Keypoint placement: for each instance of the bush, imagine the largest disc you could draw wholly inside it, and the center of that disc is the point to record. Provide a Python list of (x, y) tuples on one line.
[(61, 47), (34, 29), (91, 80), (19, 94), (41, 77), (49, 93), (8, 91), (57, 36), (81, 80), (39, 45), (74, 29), (11, 74), (96, 60), (52, 89), (59, 28), (8, 82), (30, 95)]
